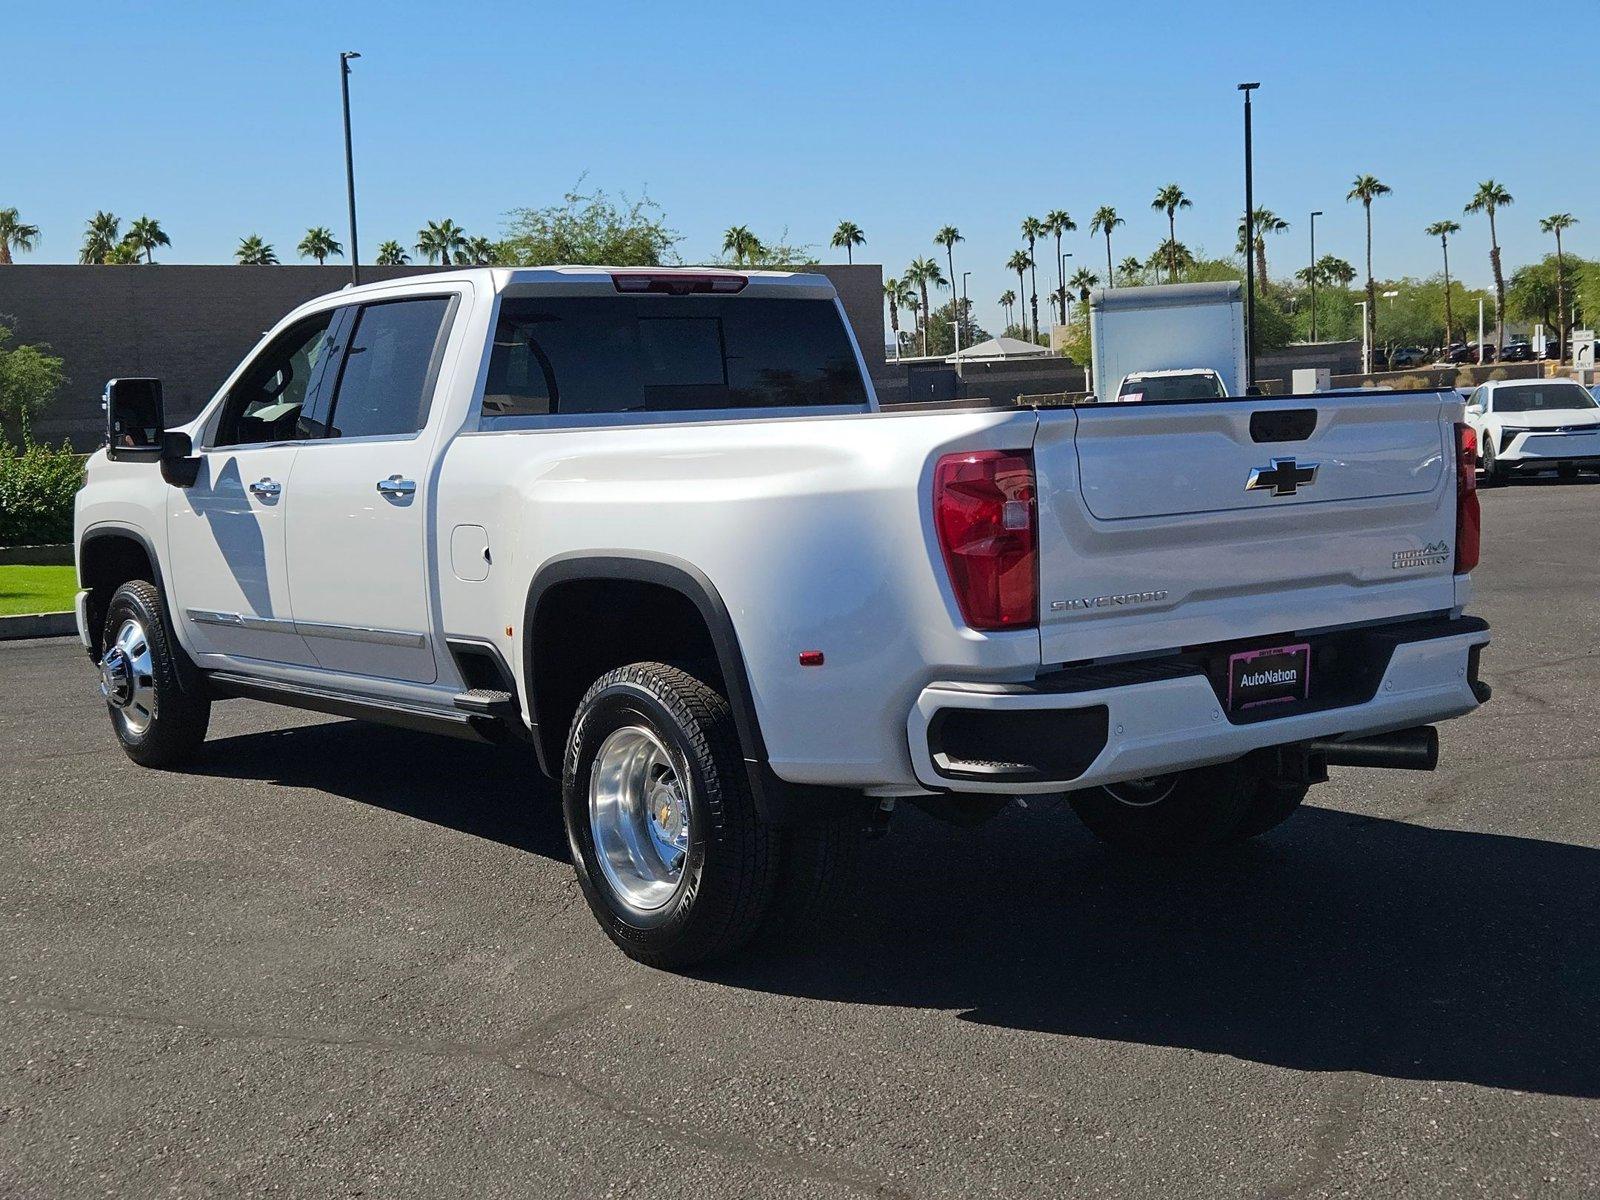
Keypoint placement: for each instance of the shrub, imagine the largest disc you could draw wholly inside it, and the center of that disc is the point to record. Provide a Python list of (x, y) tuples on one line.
[(37, 487)]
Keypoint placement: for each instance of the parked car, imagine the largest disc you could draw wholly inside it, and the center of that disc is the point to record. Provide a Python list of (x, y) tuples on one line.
[(652, 526), (1457, 353), (1518, 350), (1158, 386), (1525, 426), (1404, 357)]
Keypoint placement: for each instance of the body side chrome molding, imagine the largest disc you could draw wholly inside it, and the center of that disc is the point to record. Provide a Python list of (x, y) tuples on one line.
[(347, 633)]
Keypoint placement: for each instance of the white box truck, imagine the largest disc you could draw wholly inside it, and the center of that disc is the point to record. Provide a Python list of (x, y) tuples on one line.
[(1177, 332)]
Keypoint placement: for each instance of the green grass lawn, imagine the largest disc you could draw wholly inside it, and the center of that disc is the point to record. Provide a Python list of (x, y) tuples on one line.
[(25, 589)]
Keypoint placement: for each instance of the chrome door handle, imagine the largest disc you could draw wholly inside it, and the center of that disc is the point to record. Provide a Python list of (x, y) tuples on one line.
[(396, 486), (265, 487)]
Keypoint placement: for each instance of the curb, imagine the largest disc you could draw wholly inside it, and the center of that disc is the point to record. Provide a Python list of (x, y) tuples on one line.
[(38, 625)]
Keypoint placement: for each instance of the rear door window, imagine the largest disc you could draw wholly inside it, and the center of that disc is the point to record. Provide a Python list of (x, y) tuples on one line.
[(651, 354)]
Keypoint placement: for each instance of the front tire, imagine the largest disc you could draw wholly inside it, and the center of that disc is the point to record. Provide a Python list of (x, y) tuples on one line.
[(159, 719), (1187, 813), (670, 853), (1493, 473)]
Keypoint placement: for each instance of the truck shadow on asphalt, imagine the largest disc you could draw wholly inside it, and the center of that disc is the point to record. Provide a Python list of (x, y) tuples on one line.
[(1340, 942)]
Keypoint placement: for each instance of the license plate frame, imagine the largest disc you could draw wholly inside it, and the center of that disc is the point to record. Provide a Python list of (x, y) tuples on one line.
[(1269, 675)]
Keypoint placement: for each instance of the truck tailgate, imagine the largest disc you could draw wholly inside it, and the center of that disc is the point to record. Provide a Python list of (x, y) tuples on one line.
[(1163, 526)]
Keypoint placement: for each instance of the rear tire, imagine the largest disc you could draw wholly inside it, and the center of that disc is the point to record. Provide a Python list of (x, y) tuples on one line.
[(1188, 813), (158, 719), (671, 855)]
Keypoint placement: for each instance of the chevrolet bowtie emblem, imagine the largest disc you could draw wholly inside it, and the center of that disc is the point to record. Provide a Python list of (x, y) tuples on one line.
[(1283, 478)]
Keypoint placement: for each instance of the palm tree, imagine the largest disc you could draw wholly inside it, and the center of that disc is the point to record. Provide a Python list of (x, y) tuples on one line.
[(318, 243), (15, 234), (1059, 299), (919, 275), (1442, 230), (896, 292), (99, 238), (1082, 280), (1008, 299), (948, 237), (392, 254), (1555, 224), (1019, 262), (742, 244), (1033, 229), (1170, 199), (444, 238), (1105, 219), (480, 252), (1131, 271), (1489, 197), (1366, 189), (1174, 256), (144, 235), (1058, 221), (1266, 221), (847, 237), (253, 252)]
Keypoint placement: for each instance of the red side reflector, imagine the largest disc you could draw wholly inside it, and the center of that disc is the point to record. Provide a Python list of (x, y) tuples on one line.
[(1469, 520), (811, 658), (984, 514), (676, 283)]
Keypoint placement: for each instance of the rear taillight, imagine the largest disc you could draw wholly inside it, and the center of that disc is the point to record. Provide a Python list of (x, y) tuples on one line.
[(1468, 521), (984, 513)]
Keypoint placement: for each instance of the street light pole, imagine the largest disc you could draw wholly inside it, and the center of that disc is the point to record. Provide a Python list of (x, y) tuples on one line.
[(1066, 254), (1249, 248), (349, 160), (1366, 340), (1313, 275)]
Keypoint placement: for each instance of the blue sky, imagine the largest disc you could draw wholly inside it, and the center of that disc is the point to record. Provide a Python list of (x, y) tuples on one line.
[(222, 119)]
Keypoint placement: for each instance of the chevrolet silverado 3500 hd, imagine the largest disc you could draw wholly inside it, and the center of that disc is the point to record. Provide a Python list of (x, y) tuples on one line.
[(653, 524)]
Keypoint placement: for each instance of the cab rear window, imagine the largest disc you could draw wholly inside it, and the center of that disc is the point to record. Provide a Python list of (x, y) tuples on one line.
[(652, 354)]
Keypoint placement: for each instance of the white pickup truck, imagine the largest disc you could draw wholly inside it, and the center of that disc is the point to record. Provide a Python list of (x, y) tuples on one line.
[(653, 524)]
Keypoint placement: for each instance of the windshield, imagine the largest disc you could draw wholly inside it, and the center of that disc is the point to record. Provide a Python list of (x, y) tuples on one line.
[(1558, 394), (615, 354), (1199, 385)]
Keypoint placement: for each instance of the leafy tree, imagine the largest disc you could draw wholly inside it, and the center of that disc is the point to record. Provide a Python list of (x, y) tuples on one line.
[(318, 243), (253, 252), (444, 238), (898, 294), (847, 237), (920, 274), (123, 254), (1265, 221), (941, 337), (1019, 262), (30, 377), (392, 254), (145, 235), (1033, 229), (100, 238), (1130, 271), (948, 237), (1105, 219), (1058, 221), (588, 230), (1442, 230), (15, 234), (1489, 197), (1534, 293), (1366, 189), (1556, 224), (1169, 200)]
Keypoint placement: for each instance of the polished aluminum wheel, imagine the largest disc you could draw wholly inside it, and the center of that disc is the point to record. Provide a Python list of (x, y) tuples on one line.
[(639, 818), (127, 678), (1142, 793)]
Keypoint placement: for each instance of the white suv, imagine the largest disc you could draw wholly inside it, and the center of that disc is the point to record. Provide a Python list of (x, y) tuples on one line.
[(1528, 425)]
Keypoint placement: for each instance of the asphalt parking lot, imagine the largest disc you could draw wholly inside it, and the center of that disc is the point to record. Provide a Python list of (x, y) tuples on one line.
[(336, 959)]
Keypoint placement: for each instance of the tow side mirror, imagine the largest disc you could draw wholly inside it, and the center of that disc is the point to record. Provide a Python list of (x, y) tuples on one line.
[(135, 420)]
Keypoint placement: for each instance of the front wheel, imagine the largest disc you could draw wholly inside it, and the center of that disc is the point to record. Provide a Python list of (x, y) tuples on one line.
[(158, 719), (1189, 812), (1493, 473), (669, 850)]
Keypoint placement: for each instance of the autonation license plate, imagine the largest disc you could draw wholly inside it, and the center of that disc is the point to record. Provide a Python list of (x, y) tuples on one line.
[(1272, 676)]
